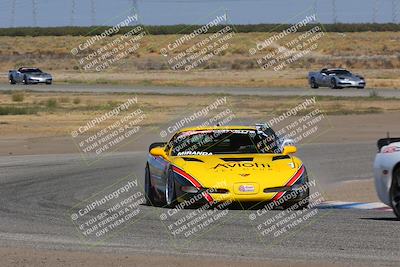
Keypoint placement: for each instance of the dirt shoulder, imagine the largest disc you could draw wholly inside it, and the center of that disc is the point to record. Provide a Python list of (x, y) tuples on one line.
[(37, 135), (36, 257)]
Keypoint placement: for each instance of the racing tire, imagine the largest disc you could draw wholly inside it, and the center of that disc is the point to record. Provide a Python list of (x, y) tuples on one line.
[(148, 189), (48, 83), (25, 80), (395, 192), (313, 83), (12, 81), (360, 87), (170, 193), (333, 84), (299, 205), (303, 204)]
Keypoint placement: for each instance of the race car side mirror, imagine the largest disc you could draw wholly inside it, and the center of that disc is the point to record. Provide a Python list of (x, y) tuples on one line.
[(289, 150), (158, 152)]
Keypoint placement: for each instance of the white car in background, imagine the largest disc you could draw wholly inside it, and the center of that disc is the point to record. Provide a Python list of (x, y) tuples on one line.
[(387, 173)]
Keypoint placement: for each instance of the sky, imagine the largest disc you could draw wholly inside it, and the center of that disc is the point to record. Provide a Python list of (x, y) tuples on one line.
[(15, 13)]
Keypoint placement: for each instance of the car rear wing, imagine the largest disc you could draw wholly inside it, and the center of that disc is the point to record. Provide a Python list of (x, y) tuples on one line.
[(387, 141)]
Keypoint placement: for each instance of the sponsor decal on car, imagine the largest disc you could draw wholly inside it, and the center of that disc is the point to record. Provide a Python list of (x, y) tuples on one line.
[(198, 153), (241, 165), (246, 188)]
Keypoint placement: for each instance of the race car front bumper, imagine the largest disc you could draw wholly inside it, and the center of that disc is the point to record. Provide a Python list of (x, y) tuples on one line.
[(189, 190), (40, 80), (349, 83)]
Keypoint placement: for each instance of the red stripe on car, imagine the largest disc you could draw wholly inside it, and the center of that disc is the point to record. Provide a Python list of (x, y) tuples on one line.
[(193, 181), (187, 176), (291, 182)]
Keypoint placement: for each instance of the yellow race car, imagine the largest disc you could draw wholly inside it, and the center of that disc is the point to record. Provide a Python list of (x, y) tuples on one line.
[(225, 164)]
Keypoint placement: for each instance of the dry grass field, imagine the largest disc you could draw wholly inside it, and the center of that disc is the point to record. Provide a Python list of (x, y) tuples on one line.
[(374, 54), (57, 114)]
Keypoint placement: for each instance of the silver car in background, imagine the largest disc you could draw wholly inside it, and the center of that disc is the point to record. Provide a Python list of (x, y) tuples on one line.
[(29, 76), (335, 79)]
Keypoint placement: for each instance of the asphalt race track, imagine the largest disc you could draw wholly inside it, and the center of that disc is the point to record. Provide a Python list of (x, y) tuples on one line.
[(207, 90), (37, 191)]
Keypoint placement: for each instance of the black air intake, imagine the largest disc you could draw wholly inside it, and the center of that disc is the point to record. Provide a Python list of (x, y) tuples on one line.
[(280, 157), (193, 159)]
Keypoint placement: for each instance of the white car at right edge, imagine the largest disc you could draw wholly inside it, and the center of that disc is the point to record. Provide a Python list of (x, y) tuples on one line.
[(387, 173)]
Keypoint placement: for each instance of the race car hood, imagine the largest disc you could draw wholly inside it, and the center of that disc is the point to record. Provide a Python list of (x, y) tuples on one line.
[(38, 74), (264, 170), (351, 77)]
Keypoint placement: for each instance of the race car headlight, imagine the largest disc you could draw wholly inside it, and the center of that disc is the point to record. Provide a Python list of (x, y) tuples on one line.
[(303, 179), (302, 184)]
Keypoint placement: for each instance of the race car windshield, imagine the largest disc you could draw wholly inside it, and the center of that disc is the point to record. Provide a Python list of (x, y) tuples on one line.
[(339, 72), (30, 70), (225, 142)]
